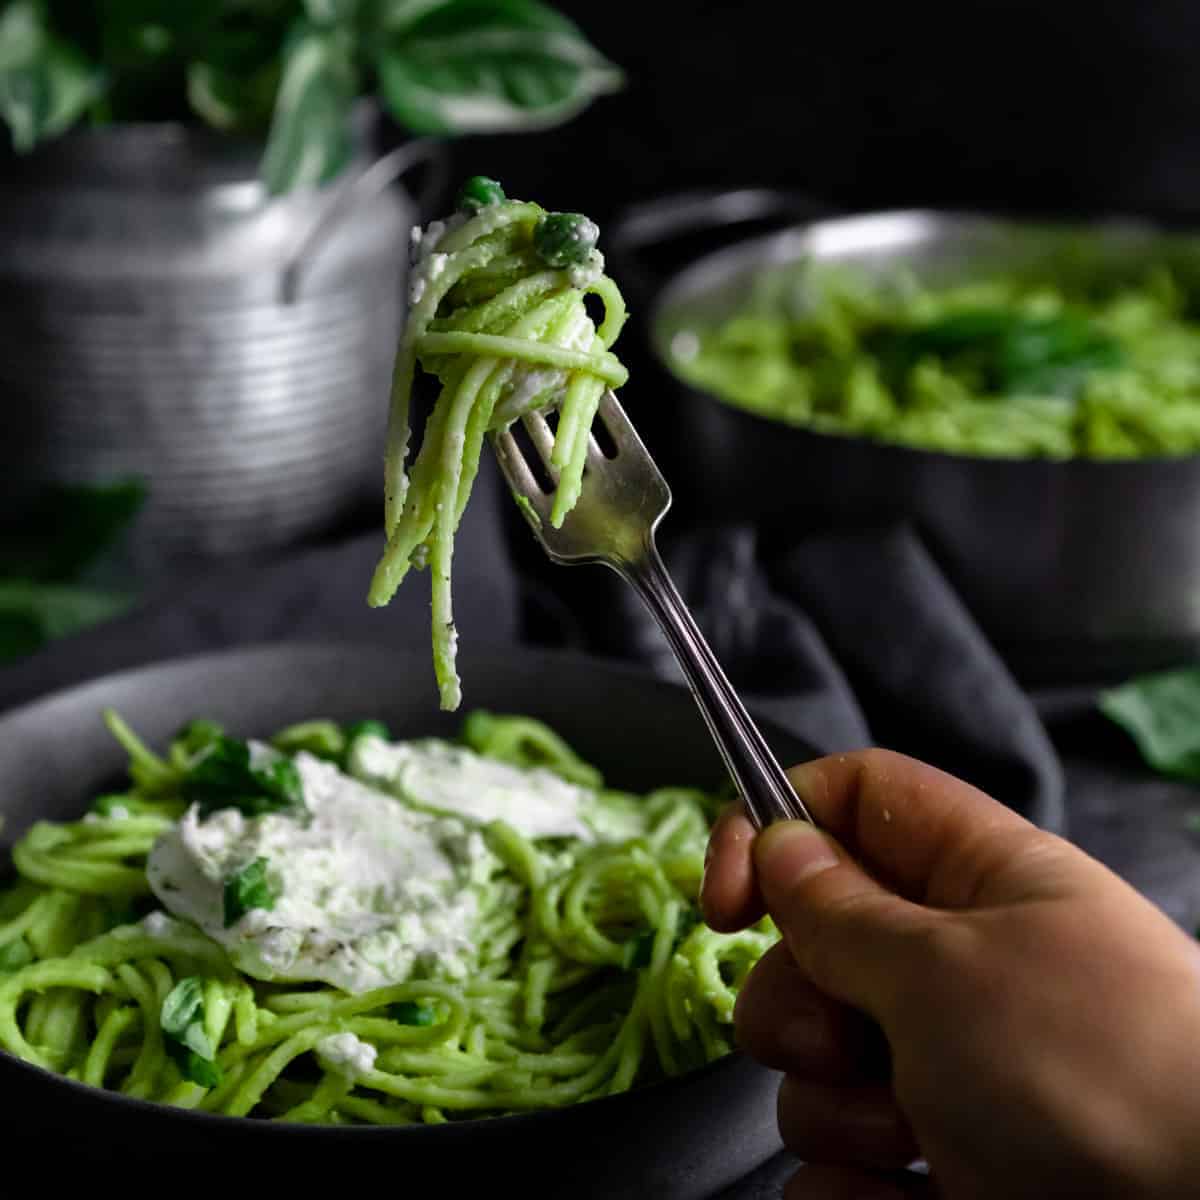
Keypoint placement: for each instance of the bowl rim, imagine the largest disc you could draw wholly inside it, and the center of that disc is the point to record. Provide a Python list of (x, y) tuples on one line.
[(259, 652)]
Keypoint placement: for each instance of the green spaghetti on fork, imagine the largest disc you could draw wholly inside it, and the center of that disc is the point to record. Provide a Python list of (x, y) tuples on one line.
[(497, 315)]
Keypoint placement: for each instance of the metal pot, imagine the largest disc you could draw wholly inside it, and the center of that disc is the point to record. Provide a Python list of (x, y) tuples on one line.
[(1075, 569), (162, 316)]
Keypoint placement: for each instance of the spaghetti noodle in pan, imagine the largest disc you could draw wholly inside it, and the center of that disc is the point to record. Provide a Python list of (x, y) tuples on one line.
[(497, 314), (336, 927)]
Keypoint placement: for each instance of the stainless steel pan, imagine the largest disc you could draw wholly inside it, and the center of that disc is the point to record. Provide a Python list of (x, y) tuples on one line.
[(1075, 569)]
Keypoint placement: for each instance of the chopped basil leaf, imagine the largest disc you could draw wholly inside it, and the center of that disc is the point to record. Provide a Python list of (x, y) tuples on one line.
[(409, 1012), (357, 729), (194, 1067), (182, 1022), (14, 955), (199, 735), (225, 776), (479, 192), (182, 1006), (246, 889)]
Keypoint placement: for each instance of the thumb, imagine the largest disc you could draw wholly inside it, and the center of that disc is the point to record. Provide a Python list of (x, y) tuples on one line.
[(851, 936)]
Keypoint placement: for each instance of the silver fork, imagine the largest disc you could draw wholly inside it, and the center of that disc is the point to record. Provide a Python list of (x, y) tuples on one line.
[(622, 502)]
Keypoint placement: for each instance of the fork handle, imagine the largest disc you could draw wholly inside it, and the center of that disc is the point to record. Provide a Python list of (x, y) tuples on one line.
[(760, 779)]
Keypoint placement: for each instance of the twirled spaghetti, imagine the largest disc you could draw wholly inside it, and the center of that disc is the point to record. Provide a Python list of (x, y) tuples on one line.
[(497, 314), (589, 971)]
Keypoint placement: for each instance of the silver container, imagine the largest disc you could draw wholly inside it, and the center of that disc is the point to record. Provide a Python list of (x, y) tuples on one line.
[(162, 316), (1075, 568)]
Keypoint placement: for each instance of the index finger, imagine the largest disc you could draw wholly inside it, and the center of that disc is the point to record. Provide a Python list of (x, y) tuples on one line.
[(927, 834)]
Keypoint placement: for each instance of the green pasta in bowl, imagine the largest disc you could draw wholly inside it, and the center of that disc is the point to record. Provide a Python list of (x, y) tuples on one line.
[(335, 927), (1043, 363)]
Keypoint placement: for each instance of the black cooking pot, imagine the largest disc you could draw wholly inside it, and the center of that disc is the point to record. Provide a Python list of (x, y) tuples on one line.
[(678, 1140), (1076, 568)]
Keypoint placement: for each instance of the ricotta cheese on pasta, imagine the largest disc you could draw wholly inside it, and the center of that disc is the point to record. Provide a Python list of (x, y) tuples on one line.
[(366, 890), (378, 878), (440, 777)]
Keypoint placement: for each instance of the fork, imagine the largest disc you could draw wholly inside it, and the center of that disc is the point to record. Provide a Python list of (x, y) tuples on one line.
[(623, 499)]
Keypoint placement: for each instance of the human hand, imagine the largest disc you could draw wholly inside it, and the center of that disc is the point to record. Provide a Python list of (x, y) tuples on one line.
[(957, 985)]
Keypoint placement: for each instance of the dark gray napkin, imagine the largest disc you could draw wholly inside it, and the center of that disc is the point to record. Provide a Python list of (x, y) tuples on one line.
[(316, 595), (856, 639)]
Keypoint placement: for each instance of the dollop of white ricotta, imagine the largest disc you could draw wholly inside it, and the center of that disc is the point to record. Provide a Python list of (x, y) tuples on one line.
[(441, 777), (346, 1054), (367, 890)]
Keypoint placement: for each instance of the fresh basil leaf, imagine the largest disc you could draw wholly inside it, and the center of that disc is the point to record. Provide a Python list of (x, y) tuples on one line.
[(409, 1012), (226, 776), (14, 955), (309, 141), (482, 66), (45, 84), (32, 614), (246, 889), (232, 100), (182, 1023), (357, 729), (200, 735), (1161, 712), (195, 1068), (182, 1007)]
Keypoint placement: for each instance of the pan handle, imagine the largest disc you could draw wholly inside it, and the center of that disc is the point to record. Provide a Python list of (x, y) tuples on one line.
[(644, 234)]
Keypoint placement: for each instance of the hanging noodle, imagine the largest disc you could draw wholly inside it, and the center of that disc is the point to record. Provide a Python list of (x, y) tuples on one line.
[(497, 315)]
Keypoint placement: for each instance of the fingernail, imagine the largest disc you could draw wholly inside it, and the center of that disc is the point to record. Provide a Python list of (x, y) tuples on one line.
[(793, 850)]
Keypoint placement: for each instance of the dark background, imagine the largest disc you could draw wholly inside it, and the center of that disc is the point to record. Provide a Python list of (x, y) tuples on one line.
[(1042, 106)]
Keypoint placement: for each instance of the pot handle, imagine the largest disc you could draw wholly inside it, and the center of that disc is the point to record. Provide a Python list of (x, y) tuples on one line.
[(371, 182), (657, 223)]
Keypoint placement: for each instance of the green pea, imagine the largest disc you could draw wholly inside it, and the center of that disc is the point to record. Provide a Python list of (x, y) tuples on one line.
[(480, 192), (565, 239)]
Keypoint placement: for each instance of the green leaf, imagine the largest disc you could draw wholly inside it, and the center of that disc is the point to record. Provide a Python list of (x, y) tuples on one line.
[(182, 1007), (357, 729), (409, 1012), (309, 141), (481, 66), (32, 614), (67, 528), (182, 1021), (229, 775), (45, 84), (246, 889), (1161, 712), (195, 1068), (230, 100), (201, 735), (14, 955)]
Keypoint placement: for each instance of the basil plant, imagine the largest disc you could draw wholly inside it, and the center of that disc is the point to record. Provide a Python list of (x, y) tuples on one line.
[(289, 71)]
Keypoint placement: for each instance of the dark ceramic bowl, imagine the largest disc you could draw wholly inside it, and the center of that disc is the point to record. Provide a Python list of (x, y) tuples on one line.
[(680, 1139)]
